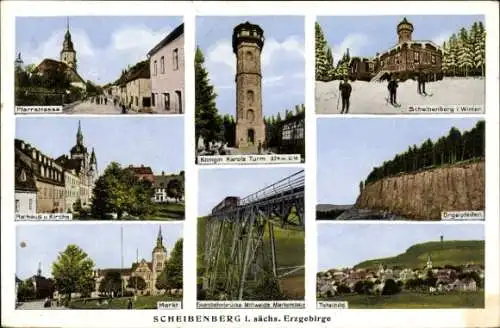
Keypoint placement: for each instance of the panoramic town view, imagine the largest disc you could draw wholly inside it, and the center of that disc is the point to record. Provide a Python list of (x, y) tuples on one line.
[(65, 266), (100, 169), (101, 65), (416, 266), (397, 65), (251, 235), (251, 62), (410, 169)]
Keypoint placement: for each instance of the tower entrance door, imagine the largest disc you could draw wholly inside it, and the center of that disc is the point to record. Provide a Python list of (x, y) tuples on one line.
[(251, 136)]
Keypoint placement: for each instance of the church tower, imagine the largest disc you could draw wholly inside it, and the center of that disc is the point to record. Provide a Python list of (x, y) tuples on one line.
[(68, 53), (79, 151), (405, 29), (428, 266), (248, 41), (159, 257)]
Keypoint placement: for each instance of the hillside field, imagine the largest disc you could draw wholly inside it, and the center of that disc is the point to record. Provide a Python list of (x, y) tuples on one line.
[(454, 252)]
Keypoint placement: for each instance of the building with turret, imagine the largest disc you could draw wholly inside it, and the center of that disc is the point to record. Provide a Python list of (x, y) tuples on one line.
[(405, 59), (67, 63), (248, 42), (149, 271)]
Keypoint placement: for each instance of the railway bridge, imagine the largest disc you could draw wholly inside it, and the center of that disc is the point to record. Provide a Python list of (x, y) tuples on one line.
[(240, 243)]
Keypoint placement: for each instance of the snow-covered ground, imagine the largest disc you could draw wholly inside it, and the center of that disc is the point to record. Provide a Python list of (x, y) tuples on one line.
[(370, 97)]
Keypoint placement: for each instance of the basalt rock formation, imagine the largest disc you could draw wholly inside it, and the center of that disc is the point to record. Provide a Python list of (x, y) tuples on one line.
[(426, 194)]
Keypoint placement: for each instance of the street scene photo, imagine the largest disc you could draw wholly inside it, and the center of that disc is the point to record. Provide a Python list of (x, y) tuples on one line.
[(100, 168), (400, 65), (251, 234), (401, 169), (405, 266), (100, 65), (249, 76), (133, 266)]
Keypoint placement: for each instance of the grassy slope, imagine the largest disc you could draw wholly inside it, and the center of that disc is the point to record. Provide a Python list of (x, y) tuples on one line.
[(455, 252), (415, 301), (289, 252)]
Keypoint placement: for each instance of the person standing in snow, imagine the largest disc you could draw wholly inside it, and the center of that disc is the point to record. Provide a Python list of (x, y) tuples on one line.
[(421, 82), (393, 89), (345, 91)]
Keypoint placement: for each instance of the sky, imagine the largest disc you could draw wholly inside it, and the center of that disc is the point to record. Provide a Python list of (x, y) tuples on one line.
[(216, 184), (335, 239), (367, 35), (104, 45), (158, 142), (100, 241), (282, 58), (349, 148)]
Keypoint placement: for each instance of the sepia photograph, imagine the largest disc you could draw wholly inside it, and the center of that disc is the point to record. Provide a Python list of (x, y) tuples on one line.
[(400, 64), (99, 65), (112, 168), (249, 76), (251, 235), (401, 169), (66, 266), (406, 266)]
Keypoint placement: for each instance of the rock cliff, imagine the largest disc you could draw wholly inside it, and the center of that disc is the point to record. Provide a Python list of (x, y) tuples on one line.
[(424, 195)]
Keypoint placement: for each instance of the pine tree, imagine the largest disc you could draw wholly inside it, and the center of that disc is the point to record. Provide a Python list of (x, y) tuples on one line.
[(320, 54), (480, 46), (207, 119), (330, 65), (445, 62), (453, 54), (465, 54)]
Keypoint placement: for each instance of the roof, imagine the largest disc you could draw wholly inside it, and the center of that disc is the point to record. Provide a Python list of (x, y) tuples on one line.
[(25, 178), (69, 163), (177, 32), (50, 64), (138, 71), (161, 181), (125, 272), (140, 169), (399, 45)]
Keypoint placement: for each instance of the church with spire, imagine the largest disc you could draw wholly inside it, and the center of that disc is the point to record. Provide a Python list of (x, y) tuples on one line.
[(149, 271), (67, 62)]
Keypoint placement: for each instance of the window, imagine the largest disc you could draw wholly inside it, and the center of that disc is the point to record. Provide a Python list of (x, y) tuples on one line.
[(166, 97), (30, 204), (17, 205), (153, 99), (176, 59), (179, 100), (162, 65), (416, 57), (433, 59), (136, 101), (250, 97), (155, 67)]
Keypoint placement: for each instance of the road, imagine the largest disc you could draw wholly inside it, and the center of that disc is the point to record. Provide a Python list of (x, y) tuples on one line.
[(92, 108), (38, 305)]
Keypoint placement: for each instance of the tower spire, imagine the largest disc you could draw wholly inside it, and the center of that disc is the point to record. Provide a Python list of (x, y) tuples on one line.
[(79, 134), (67, 23), (159, 239)]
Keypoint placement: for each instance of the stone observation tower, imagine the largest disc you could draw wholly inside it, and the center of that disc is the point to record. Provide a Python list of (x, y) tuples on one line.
[(68, 53), (248, 41), (405, 29)]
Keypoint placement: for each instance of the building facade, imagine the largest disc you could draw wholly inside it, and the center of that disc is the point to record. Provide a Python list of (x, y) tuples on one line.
[(135, 88), (149, 271), (142, 172), (161, 185), (248, 41), (404, 60), (166, 62), (58, 183)]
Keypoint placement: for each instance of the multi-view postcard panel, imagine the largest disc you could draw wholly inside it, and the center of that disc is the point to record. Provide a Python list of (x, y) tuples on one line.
[(416, 266), (99, 65), (401, 169), (400, 65), (99, 168), (66, 267), (250, 90), (251, 238)]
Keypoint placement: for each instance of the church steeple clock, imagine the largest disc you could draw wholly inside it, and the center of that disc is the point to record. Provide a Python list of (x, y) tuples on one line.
[(68, 53)]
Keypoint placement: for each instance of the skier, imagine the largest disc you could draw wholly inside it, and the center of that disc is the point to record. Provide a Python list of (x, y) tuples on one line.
[(421, 82), (345, 91), (392, 87)]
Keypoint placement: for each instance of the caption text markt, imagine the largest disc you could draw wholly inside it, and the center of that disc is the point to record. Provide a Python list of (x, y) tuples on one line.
[(239, 318)]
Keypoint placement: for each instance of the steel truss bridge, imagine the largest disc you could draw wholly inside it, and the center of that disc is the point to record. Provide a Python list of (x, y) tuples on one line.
[(232, 272)]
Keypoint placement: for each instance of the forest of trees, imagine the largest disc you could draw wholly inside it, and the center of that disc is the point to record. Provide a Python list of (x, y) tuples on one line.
[(464, 53), (450, 149), (325, 69), (212, 126)]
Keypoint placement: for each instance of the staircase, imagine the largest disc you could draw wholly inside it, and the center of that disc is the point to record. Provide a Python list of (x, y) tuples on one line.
[(377, 77)]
